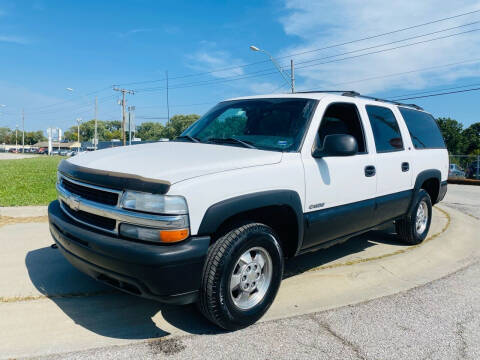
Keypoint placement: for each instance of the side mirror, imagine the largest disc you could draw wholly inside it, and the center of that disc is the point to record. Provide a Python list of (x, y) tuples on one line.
[(336, 145)]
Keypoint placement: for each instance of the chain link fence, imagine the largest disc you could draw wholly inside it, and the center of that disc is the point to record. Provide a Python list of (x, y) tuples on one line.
[(464, 166)]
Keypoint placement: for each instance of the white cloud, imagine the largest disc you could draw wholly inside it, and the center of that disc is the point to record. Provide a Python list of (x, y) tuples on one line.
[(321, 23), (209, 58), (133, 32), (14, 39)]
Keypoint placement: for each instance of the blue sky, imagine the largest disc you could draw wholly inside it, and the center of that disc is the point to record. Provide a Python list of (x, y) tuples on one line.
[(47, 46)]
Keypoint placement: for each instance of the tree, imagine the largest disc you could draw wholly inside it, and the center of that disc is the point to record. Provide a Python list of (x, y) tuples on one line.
[(177, 124), (149, 131), (452, 132), (33, 137), (471, 136), (6, 136)]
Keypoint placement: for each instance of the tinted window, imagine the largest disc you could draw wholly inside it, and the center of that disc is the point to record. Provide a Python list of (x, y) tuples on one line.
[(423, 129), (385, 129), (271, 124), (342, 118)]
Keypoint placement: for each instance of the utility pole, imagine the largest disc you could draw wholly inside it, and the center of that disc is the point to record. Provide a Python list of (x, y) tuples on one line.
[(124, 92), (292, 76), (95, 137), (23, 131), (16, 142), (168, 105)]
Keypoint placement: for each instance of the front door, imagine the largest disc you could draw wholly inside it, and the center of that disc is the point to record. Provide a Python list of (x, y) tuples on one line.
[(340, 191)]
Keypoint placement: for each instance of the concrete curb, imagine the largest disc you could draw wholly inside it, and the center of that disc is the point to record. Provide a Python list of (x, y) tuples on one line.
[(23, 211), (329, 288), (464, 181)]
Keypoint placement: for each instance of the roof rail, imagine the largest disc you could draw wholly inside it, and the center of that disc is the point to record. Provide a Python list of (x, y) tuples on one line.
[(357, 94), (342, 92)]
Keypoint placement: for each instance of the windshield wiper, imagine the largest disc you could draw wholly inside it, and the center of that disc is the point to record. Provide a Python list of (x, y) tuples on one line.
[(188, 137), (231, 140)]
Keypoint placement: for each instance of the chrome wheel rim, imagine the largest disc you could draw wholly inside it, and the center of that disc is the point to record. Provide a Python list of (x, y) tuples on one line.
[(422, 218), (251, 278)]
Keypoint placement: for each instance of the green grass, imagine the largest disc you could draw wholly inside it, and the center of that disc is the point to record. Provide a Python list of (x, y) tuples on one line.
[(28, 181)]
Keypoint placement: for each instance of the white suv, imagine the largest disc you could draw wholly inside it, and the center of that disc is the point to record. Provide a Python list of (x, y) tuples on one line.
[(210, 216)]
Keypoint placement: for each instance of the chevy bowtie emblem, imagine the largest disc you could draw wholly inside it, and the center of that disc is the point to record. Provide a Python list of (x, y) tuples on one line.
[(74, 203)]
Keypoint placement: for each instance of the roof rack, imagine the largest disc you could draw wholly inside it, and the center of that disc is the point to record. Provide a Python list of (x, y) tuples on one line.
[(342, 92), (357, 94)]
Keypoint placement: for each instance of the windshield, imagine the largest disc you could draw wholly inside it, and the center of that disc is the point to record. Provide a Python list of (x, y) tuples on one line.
[(270, 124)]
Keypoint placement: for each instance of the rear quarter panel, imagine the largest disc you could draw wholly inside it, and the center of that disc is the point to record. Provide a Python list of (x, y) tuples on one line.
[(426, 159)]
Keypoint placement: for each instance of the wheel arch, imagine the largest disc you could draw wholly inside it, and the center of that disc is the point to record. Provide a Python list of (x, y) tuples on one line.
[(280, 209), (430, 181)]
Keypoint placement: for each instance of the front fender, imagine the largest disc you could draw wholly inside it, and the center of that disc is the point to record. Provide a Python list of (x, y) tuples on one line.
[(218, 213)]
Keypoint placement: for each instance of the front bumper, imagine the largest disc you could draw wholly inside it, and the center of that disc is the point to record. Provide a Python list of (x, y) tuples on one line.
[(168, 273)]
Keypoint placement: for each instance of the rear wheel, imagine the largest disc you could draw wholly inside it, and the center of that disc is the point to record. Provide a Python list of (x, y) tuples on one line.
[(241, 276), (413, 228)]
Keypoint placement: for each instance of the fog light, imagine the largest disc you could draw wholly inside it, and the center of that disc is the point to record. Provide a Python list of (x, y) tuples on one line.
[(152, 234)]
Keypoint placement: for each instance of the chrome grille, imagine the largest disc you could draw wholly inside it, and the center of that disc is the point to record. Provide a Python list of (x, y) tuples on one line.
[(100, 222), (90, 193)]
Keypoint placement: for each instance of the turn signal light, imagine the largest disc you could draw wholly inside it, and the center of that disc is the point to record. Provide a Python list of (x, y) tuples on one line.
[(152, 234), (172, 236)]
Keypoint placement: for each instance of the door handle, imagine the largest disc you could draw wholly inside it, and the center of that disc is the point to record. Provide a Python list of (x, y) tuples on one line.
[(370, 171), (405, 166)]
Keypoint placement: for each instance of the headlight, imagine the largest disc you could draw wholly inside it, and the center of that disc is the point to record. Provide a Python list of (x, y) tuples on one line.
[(158, 204)]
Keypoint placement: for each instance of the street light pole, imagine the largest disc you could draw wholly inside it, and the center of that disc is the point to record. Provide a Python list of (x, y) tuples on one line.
[(23, 131), (292, 76), (290, 80), (16, 142), (130, 119), (79, 120), (95, 137)]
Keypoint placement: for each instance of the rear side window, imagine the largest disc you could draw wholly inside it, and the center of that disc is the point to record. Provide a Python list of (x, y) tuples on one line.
[(385, 129), (423, 129)]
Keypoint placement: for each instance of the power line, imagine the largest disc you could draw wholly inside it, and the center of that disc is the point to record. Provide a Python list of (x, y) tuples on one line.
[(432, 91), (266, 72), (438, 94), (68, 101), (402, 73), (75, 107), (390, 49), (379, 35), (309, 51), (391, 42)]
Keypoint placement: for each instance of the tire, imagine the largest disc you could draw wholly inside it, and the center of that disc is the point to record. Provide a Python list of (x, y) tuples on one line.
[(226, 262), (413, 228)]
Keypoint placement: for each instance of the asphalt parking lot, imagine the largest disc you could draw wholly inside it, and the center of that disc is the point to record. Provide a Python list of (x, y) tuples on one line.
[(369, 298)]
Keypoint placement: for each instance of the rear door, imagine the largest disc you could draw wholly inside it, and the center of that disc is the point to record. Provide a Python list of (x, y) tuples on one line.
[(393, 163), (340, 190)]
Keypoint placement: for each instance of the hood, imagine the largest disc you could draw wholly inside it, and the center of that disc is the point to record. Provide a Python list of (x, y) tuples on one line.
[(174, 161)]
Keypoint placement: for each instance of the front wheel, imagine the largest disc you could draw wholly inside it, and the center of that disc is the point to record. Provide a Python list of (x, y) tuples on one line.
[(241, 276), (413, 229)]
